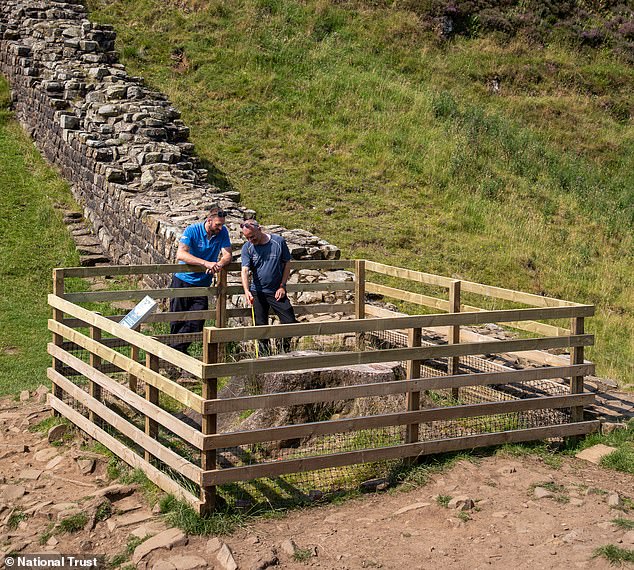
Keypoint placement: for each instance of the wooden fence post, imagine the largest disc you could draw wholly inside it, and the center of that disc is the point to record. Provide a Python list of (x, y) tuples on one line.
[(151, 395), (576, 357), (58, 315), (221, 309), (453, 362), (208, 424), (94, 361), (413, 371), (132, 379), (359, 297)]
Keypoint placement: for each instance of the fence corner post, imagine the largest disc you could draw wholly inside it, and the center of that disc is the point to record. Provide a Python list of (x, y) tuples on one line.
[(413, 396), (577, 357), (359, 297), (208, 424), (453, 362)]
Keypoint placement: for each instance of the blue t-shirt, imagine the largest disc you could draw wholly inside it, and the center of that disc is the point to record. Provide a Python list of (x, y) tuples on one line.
[(266, 263), (195, 237)]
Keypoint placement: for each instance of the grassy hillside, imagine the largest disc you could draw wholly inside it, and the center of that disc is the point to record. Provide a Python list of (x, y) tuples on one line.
[(33, 240), (427, 164)]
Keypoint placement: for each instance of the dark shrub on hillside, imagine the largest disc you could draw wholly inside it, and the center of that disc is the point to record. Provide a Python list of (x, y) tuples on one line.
[(537, 20)]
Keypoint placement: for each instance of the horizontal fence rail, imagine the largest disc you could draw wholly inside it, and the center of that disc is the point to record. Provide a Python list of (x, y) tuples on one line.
[(114, 383)]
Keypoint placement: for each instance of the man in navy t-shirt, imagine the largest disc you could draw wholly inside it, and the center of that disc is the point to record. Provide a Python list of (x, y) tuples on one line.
[(201, 244), (267, 258)]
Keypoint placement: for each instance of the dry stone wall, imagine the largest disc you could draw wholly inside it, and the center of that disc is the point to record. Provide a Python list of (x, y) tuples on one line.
[(121, 145)]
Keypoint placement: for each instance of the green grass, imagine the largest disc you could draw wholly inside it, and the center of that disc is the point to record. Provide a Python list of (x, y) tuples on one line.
[(615, 555), (623, 523), (443, 500), (622, 439), (73, 523), (345, 105), (33, 240)]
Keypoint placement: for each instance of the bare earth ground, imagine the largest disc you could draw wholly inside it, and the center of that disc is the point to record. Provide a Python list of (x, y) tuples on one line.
[(509, 527)]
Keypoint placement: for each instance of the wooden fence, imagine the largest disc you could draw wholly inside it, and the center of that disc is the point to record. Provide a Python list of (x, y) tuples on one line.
[(109, 381)]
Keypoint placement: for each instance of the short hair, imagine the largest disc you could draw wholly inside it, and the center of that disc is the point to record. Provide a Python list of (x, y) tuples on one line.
[(250, 224), (217, 212)]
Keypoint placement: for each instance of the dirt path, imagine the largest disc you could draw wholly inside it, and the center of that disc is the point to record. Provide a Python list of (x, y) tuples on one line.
[(509, 527)]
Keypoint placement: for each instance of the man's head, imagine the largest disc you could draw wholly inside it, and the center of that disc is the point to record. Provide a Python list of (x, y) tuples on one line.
[(252, 231), (215, 220)]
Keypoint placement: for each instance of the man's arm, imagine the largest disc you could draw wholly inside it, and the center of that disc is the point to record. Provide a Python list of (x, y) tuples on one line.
[(226, 257), (281, 292), (211, 266), (244, 275)]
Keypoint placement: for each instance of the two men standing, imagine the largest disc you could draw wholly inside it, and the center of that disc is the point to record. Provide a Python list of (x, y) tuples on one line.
[(265, 257)]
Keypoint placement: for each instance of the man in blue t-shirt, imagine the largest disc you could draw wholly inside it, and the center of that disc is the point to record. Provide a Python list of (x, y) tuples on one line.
[(267, 258), (201, 244)]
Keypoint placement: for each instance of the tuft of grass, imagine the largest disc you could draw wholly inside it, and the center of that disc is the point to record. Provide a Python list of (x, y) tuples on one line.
[(47, 423), (183, 516), (443, 500), (621, 460), (302, 554), (73, 523), (614, 554), (464, 516), (15, 518), (625, 524)]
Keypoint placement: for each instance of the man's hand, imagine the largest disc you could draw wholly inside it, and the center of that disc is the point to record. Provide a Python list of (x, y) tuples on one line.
[(212, 267), (280, 294), (249, 297)]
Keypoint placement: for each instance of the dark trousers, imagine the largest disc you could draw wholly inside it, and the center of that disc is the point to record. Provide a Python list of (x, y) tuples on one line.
[(282, 308), (186, 304)]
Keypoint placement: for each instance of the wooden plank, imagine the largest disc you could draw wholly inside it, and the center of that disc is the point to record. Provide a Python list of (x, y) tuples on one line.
[(403, 322), (146, 343), (529, 326), (285, 362), (165, 317), (396, 387), (230, 475), (176, 391), (409, 274), (167, 420), (154, 269), (346, 425), (136, 294), (469, 286), (153, 474), (328, 308), (301, 287), (167, 456), (408, 296)]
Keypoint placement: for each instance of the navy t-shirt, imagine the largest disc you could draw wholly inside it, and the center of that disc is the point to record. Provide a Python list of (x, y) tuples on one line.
[(195, 237), (266, 263)]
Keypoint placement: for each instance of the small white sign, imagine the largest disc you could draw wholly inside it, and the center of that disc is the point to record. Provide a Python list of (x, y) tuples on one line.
[(140, 313)]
